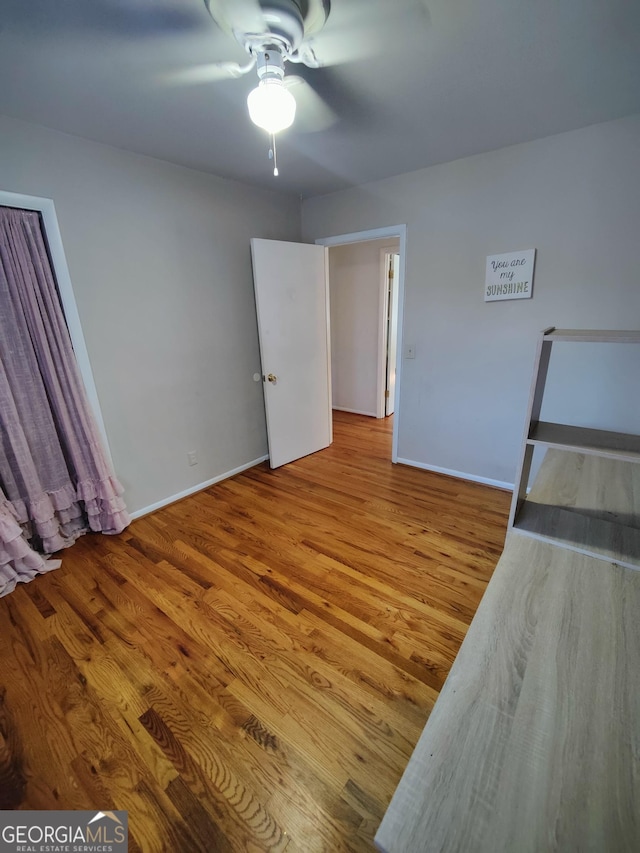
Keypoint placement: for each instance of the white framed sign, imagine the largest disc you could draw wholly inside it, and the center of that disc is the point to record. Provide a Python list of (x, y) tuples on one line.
[(509, 276)]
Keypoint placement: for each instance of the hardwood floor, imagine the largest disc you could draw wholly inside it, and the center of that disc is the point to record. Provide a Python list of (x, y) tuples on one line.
[(250, 668)]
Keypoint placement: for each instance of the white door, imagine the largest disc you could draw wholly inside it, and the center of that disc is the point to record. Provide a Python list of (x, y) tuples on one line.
[(292, 303)]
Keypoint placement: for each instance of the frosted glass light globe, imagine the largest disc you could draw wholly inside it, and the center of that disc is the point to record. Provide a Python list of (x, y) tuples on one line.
[(271, 106)]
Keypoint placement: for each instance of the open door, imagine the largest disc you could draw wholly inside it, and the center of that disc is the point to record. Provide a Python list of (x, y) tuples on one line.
[(292, 302)]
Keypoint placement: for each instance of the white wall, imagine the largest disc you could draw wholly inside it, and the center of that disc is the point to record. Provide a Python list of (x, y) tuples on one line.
[(161, 268), (576, 198), (355, 277)]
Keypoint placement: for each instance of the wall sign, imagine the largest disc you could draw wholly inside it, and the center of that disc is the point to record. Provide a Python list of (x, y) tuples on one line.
[(509, 276)]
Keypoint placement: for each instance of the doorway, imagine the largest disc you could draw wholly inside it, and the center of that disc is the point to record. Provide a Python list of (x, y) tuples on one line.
[(46, 208), (378, 396)]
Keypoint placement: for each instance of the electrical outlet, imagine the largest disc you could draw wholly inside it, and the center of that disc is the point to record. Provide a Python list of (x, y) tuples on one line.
[(192, 456)]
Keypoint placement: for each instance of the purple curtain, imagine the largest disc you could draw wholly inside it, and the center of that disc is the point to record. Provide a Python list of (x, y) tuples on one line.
[(56, 482)]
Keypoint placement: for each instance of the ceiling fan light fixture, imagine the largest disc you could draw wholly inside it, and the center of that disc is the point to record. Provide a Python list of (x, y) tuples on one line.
[(271, 105)]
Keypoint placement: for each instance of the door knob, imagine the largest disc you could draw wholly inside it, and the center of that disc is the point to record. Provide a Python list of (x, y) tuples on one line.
[(273, 379)]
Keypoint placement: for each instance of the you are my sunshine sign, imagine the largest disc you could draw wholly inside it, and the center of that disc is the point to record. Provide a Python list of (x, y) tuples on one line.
[(509, 276)]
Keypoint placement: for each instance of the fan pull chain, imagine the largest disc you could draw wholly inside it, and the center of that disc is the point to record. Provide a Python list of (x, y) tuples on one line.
[(273, 155)]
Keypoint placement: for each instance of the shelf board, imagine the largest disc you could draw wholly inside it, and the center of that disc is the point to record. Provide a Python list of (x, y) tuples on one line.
[(613, 336), (593, 535), (598, 442), (587, 503)]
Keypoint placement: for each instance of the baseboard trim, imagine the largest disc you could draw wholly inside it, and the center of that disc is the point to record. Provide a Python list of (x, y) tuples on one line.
[(354, 411), (460, 475), (474, 478), (193, 489)]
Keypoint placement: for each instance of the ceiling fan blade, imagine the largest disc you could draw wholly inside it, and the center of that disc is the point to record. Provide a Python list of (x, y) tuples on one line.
[(128, 18), (313, 114), (333, 94), (361, 31), (340, 47), (210, 72)]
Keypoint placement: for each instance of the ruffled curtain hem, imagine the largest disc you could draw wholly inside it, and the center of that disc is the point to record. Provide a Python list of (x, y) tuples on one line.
[(19, 563), (53, 521)]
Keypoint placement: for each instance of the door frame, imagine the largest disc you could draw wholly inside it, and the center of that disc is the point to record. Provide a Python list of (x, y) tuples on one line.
[(399, 231), (46, 208), (388, 321)]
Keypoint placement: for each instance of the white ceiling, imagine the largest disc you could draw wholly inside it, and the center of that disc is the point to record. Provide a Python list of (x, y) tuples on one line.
[(444, 79)]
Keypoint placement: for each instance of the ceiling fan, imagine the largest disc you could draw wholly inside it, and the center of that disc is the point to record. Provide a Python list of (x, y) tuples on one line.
[(276, 32), (272, 32)]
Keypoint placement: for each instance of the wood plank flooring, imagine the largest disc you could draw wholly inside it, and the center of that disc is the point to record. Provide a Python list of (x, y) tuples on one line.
[(250, 668)]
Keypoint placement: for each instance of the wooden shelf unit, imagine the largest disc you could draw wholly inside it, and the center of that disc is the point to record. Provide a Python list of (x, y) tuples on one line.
[(594, 529)]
